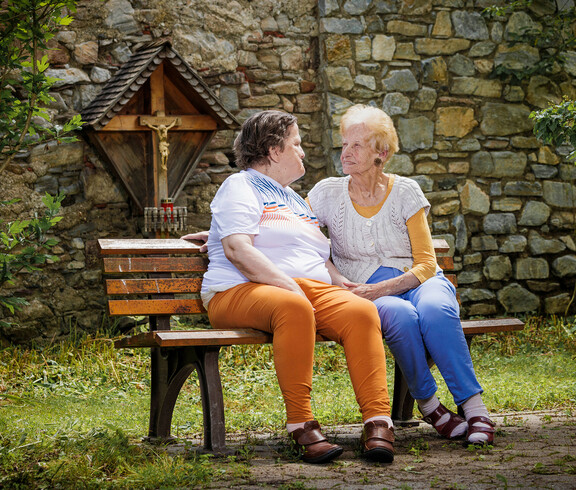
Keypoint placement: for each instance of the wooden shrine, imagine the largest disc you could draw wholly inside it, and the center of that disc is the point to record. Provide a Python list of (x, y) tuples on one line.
[(151, 123)]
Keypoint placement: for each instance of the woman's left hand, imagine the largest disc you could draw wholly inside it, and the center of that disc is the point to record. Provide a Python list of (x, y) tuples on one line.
[(367, 291)]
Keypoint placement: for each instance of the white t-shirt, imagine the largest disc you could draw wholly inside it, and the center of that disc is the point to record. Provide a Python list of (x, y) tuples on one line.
[(283, 226)]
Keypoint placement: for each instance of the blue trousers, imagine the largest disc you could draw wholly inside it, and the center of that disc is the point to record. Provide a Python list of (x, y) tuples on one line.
[(427, 318)]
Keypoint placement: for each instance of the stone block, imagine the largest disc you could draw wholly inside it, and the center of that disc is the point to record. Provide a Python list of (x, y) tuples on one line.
[(357, 7), (339, 77), (461, 65), (401, 165), (440, 47), (484, 243), (406, 28), (516, 299), (539, 245), (474, 200), (395, 103), (499, 224), (455, 121), (416, 133), (507, 204), (435, 71), (442, 25), (559, 194), (341, 26), (565, 266), (475, 294), (535, 213), (477, 87), (469, 25), (363, 48), (513, 244), (517, 57), (428, 168), (383, 47), (425, 99), (544, 171), (446, 208), (516, 188), (469, 277), (338, 47), (498, 268), (531, 268), (555, 305), (505, 119)]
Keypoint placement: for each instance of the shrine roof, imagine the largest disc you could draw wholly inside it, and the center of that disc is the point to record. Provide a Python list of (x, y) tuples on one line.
[(135, 72)]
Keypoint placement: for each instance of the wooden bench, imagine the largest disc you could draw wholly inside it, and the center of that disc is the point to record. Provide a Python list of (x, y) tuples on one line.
[(161, 278)]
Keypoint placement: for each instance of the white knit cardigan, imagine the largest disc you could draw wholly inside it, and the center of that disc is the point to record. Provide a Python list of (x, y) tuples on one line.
[(361, 245)]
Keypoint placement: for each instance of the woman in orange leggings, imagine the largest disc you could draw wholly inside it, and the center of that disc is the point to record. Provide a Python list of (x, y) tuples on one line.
[(269, 270)]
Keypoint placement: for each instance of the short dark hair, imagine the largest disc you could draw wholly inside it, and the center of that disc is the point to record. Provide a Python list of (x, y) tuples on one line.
[(259, 133)]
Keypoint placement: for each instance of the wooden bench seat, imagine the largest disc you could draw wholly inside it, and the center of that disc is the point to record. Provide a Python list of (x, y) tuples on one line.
[(162, 278)]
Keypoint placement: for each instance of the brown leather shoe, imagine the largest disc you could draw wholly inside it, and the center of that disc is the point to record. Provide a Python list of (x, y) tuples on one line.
[(377, 442), (312, 445)]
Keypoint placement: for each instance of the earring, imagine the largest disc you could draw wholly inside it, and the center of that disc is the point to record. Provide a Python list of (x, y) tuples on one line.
[(377, 161)]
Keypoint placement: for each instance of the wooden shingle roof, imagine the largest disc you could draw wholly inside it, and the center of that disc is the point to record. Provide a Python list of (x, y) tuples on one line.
[(135, 72)]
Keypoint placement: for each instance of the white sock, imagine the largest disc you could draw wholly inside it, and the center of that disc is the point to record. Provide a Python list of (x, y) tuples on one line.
[(292, 427), (428, 405), (385, 418), (474, 407)]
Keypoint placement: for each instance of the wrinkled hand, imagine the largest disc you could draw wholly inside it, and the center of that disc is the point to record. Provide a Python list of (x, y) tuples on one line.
[(366, 291), (201, 236)]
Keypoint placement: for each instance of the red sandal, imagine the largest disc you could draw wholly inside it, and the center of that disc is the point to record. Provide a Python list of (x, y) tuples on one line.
[(447, 427), (476, 429)]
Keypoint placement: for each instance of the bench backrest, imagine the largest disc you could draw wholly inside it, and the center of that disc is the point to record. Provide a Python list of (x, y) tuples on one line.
[(162, 277)]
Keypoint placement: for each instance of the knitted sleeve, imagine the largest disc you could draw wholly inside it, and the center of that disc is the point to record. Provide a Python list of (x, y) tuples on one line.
[(412, 198)]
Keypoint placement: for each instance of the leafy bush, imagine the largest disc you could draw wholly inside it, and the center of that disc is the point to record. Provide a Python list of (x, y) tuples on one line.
[(26, 26), (24, 246), (555, 125)]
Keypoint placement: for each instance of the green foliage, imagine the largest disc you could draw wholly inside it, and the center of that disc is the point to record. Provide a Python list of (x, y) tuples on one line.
[(556, 125), (553, 37), (26, 26), (95, 439), (24, 246)]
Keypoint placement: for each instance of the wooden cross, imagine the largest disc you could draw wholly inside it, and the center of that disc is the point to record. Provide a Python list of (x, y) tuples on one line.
[(159, 124)]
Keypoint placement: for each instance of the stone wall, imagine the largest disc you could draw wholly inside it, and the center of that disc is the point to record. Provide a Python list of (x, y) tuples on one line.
[(504, 202)]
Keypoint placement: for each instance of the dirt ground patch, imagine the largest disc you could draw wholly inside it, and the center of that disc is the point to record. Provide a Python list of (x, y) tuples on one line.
[(532, 450)]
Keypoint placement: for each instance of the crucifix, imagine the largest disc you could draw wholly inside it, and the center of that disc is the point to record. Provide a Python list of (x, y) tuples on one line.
[(151, 123)]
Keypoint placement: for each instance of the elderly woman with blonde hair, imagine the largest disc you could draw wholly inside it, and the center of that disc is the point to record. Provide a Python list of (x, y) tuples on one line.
[(382, 249)]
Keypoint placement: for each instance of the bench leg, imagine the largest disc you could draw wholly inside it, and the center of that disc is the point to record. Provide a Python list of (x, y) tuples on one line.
[(212, 400), (170, 370), (402, 402)]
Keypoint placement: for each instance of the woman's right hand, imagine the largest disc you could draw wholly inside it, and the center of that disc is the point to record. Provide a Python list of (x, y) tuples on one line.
[(201, 236)]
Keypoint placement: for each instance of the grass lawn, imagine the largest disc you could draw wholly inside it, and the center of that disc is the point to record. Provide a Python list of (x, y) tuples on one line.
[(73, 412)]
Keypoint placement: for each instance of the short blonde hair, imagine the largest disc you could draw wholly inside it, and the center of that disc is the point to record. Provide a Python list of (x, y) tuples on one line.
[(383, 136)]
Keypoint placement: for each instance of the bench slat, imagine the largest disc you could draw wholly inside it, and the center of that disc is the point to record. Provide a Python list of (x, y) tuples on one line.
[(127, 265), (440, 245), (445, 263), (492, 325), (153, 286), (184, 338), (146, 246), (117, 307)]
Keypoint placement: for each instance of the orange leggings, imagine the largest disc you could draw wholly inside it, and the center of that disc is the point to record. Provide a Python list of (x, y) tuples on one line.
[(335, 313)]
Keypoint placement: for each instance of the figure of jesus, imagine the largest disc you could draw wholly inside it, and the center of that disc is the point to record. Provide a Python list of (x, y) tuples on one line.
[(163, 145)]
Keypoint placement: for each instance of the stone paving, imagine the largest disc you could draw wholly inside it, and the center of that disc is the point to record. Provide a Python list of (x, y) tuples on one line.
[(532, 450)]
